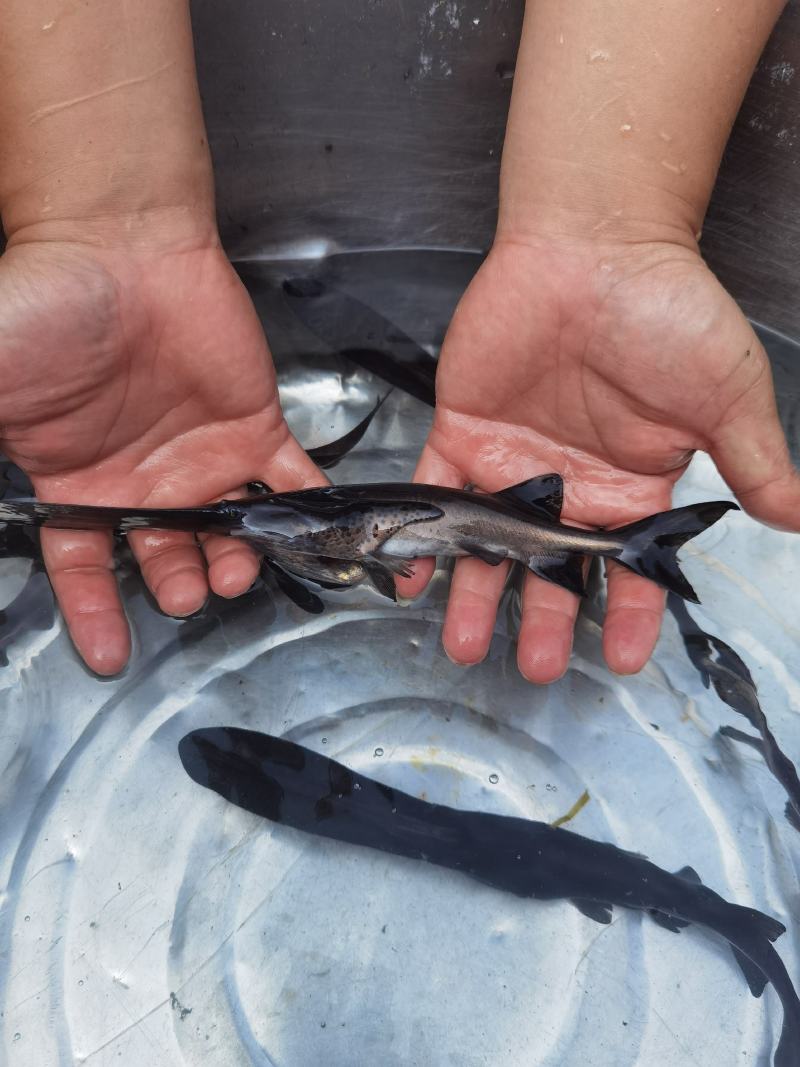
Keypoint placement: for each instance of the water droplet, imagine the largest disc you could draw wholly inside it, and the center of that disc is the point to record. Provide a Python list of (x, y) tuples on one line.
[(324, 740), (27, 918), (80, 981), (476, 22), (519, 856), (356, 785), (394, 811), (494, 779), (17, 1036), (378, 752)]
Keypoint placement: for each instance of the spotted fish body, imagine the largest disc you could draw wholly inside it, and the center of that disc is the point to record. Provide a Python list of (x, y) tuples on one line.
[(374, 530)]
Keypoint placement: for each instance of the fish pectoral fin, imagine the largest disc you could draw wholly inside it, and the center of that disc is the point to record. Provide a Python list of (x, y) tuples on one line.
[(293, 589), (564, 569), (754, 976), (594, 909), (541, 496), (668, 922), (494, 559), (395, 565), (381, 578)]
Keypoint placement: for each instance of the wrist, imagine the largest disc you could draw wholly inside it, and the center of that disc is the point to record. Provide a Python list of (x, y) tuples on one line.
[(178, 212), (110, 188), (596, 205), (101, 128)]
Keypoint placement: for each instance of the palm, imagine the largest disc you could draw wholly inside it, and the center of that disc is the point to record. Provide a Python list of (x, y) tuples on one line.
[(611, 370), (138, 379)]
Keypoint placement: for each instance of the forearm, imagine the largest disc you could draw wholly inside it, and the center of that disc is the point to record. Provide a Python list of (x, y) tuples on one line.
[(620, 113), (100, 120)]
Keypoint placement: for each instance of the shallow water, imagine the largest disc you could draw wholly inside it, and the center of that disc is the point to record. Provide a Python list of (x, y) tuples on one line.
[(143, 920)]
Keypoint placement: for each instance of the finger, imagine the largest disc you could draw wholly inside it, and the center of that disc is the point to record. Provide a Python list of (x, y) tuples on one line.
[(81, 569), (750, 451), (633, 620), (472, 609), (290, 468), (232, 565), (432, 469), (545, 636), (173, 568)]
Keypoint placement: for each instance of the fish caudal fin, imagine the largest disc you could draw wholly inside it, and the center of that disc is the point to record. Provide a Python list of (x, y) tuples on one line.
[(651, 545)]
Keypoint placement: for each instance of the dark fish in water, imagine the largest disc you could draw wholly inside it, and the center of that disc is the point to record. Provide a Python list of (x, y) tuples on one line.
[(719, 665), (14, 482), (363, 335), (342, 534), (287, 783), (327, 456)]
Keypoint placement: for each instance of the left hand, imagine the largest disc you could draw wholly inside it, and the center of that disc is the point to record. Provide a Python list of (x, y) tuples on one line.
[(137, 375)]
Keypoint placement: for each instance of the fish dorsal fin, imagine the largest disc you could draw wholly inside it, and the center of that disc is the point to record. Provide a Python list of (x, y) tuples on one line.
[(542, 496)]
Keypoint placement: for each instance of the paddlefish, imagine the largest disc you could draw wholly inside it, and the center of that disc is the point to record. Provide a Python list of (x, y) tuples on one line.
[(286, 783), (344, 534)]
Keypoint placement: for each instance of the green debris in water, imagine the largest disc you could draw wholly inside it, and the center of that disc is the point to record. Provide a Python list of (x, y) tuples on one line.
[(581, 802)]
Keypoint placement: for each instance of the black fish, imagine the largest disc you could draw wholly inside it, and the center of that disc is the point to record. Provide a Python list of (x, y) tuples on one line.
[(342, 533), (364, 336), (287, 783), (327, 456), (725, 669)]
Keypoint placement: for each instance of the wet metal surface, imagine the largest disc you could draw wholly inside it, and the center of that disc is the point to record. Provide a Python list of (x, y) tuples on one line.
[(346, 124), (143, 921)]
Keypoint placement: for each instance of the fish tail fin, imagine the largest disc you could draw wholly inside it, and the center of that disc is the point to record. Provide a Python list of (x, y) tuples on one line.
[(650, 546)]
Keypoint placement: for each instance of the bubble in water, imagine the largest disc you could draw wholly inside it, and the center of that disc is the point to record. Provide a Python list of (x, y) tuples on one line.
[(324, 740), (378, 752), (394, 811), (80, 981), (17, 1036), (356, 785), (27, 918), (494, 778)]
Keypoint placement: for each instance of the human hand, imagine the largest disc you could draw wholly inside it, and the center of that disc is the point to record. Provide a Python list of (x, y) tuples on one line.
[(611, 365), (136, 373)]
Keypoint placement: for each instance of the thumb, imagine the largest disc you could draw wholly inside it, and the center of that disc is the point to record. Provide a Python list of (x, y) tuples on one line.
[(750, 451)]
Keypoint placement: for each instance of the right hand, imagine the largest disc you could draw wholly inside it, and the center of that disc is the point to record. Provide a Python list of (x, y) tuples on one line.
[(137, 374), (610, 364)]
